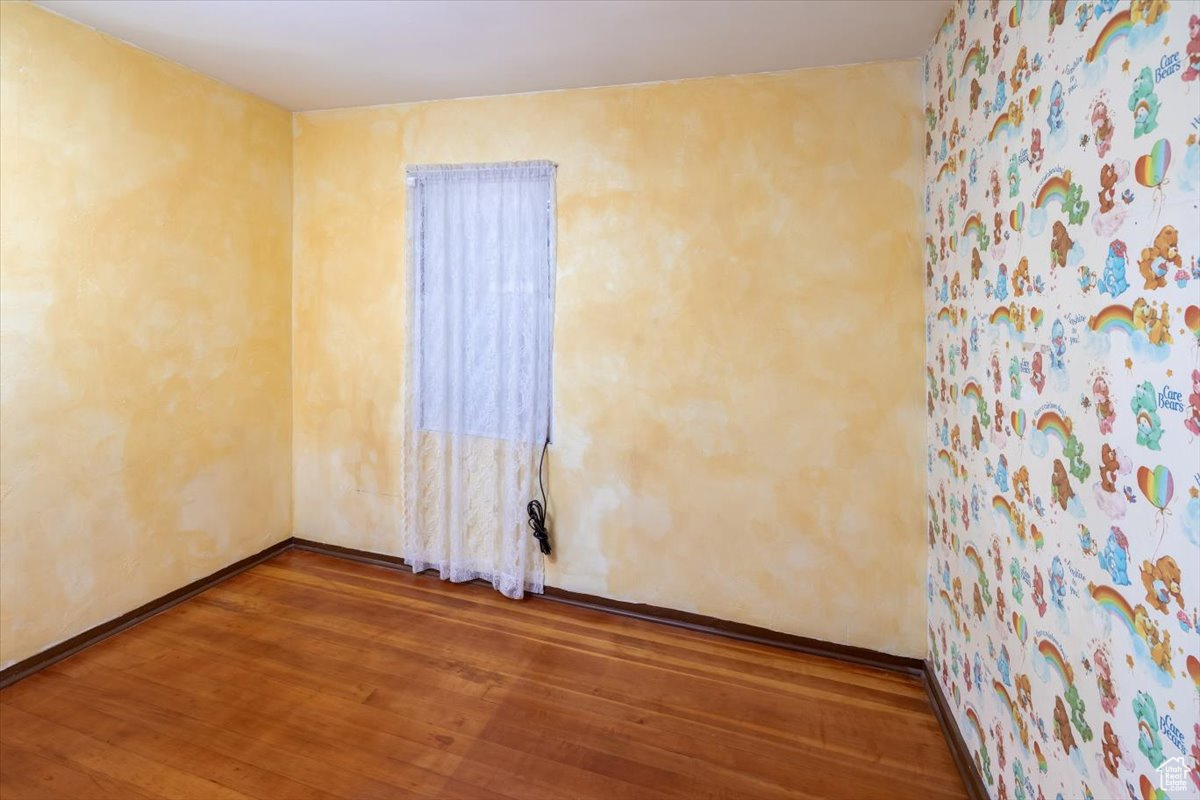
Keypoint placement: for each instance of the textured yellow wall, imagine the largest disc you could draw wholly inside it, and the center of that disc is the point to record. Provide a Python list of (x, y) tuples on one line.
[(738, 338), (145, 248)]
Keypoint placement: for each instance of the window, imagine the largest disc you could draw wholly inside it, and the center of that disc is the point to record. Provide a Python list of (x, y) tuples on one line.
[(482, 251)]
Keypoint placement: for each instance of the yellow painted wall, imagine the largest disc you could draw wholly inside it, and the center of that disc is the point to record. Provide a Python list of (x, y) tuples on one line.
[(145, 248), (738, 338)]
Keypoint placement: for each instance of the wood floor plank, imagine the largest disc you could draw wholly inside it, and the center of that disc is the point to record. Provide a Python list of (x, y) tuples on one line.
[(117, 726), (631, 651), (314, 677), (150, 776), (629, 670), (599, 625), (30, 774)]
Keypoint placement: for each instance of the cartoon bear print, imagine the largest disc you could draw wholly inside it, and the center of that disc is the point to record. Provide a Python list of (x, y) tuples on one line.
[(1060, 485), (1058, 13), (1147, 12), (1037, 377), (1192, 71), (1144, 405), (1062, 726), (1104, 681), (1020, 278), (1157, 260), (1159, 331), (1143, 102), (1161, 580), (1149, 741), (1112, 750), (1102, 128), (1106, 412), (1113, 281), (1060, 244), (1110, 467), (1038, 594), (1144, 315), (1020, 71), (1036, 153), (1192, 423), (1157, 640), (1160, 648), (1054, 117), (1108, 191), (1114, 558), (1020, 482)]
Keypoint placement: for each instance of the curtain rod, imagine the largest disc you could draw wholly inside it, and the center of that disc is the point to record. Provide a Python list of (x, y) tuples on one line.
[(413, 169)]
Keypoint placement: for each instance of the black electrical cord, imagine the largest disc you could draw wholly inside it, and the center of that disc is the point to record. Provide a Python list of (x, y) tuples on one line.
[(537, 511)]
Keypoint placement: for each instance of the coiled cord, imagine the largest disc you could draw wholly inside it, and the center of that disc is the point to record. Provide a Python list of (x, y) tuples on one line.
[(537, 511)]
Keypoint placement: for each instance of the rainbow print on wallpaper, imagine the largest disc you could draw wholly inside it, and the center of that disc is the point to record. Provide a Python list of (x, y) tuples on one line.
[(1064, 487), (1050, 652), (975, 59), (973, 226), (1112, 601), (1004, 124), (1113, 318), (1053, 424), (1055, 189), (1116, 28)]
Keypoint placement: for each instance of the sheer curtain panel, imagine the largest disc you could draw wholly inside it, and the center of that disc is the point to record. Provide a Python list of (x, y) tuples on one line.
[(481, 302)]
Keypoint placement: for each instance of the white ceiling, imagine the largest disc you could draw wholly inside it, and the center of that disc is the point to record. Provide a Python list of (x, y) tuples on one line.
[(310, 54)]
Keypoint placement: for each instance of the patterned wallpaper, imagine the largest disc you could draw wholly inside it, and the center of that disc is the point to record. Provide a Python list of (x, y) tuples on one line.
[(1063, 362)]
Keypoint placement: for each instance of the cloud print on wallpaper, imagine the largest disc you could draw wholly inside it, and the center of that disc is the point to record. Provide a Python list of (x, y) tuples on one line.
[(1063, 341)]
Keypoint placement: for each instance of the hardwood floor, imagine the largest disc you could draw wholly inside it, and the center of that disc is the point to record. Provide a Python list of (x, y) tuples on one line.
[(316, 677)]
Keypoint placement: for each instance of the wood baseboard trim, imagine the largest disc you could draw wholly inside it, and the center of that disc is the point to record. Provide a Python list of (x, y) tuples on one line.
[(738, 630), (51, 655), (349, 553), (959, 751), (368, 557)]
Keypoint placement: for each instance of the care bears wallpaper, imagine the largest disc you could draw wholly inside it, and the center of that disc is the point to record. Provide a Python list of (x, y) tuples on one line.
[(1063, 366)]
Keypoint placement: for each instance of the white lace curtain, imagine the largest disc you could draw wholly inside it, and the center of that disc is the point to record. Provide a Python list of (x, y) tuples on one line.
[(481, 292)]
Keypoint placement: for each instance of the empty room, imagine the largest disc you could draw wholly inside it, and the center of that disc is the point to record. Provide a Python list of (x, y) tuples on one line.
[(614, 399)]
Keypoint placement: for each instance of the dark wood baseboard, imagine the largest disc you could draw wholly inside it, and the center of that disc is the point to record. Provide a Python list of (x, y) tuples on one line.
[(349, 553), (740, 631), (959, 751), (368, 557), (51, 655)]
